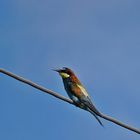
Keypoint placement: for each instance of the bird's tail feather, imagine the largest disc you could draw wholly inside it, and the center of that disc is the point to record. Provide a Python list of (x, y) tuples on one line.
[(92, 109), (96, 118)]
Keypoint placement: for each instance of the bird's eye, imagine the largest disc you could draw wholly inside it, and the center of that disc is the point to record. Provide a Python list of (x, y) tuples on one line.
[(65, 68)]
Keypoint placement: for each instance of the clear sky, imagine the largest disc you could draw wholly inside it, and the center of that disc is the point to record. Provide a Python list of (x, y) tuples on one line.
[(98, 39)]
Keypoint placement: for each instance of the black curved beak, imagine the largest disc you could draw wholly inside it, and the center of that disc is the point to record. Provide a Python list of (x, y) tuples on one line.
[(57, 70)]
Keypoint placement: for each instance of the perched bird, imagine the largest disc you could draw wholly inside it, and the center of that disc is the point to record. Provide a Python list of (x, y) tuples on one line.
[(77, 92)]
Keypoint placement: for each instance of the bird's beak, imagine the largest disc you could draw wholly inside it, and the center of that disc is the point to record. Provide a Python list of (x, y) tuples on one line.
[(57, 70)]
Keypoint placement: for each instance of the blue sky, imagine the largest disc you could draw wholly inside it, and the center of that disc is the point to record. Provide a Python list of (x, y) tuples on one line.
[(98, 39)]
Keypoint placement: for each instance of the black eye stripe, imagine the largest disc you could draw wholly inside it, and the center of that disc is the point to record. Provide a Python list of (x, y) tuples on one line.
[(65, 68)]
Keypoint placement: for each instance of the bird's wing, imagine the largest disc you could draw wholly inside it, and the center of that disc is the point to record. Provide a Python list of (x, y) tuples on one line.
[(80, 92), (87, 102), (84, 98)]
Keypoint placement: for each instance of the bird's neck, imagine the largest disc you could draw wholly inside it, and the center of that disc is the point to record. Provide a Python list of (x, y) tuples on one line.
[(75, 79)]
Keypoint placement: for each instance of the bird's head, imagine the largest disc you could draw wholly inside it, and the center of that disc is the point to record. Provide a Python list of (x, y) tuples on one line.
[(64, 72)]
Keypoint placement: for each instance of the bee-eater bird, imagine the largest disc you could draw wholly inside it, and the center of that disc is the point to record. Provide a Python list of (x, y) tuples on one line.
[(77, 92)]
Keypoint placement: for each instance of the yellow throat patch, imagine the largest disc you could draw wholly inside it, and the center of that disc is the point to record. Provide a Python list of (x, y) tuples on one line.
[(64, 75)]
